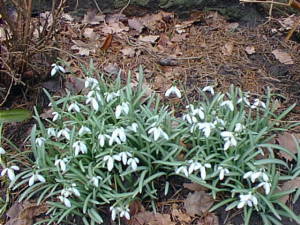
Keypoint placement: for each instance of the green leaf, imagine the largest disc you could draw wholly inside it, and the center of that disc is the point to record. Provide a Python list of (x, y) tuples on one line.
[(14, 115)]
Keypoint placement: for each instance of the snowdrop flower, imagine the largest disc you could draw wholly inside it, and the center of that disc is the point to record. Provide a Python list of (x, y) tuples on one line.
[(2, 151), (36, 177), (123, 108), (205, 128), (222, 173), (182, 169), (56, 116), (219, 121), (255, 175), (245, 100), (10, 172), (74, 190), (190, 119), (194, 166), (79, 146), (51, 132), (118, 136), (173, 90), (132, 162), (239, 127), (158, 132), (114, 212), (56, 68), (101, 139), (111, 96), (110, 162), (74, 107), (64, 132), (209, 89), (258, 103), (125, 213), (133, 127), (94, 103), (229, 139), (203, 170), (95, 180), (124, 156), (91, 82), (84, 130), (65, 200), (61, 163), (248, 199), (229, 104), (40, 141)]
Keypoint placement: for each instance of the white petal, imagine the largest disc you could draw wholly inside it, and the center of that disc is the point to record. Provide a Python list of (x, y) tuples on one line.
[(67, 202), (11, 174), (2, 151), (222, 173), (203, 172), (4, 171), (41, 178), (241, 205), (53, 71), (110, 164), (15, 167), (118, 111), (101, 139), (31, 180)]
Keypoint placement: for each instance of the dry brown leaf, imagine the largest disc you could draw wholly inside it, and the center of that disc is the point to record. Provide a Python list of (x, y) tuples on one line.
[(84, 49), (92, 18), (90, 34), (292, 184), (136, 24), (112, 68), (149, 218), (287, 140), (197, 203), (209, 219), (179, 37), (181, 28), (74, 84), (283, 57), (107, 42), (232, 26), (194, 187), (181, 217), (128, 51), (115, 27), (250, 50), (227, 49), (148, 38)]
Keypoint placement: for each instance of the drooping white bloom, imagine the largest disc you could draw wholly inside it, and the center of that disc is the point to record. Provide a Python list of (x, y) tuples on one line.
[(94, 103), (64, 132), (114, 212), (56, 68), (205, 128), (2, 151), (182, 169), (222, 171), (133, 127), (74, 190), (132, 162), (101, 139), (65, 200), (173, 90), (124, 156), (51, 132), (74, 107), (125, 213), (123, 108), (110, 162), (194, 166), (84, 130), (209, 89), (40, 141), (258, 103), (229, 139), (95, 180), (158, 132), (190, 119), (203, 170), (255, 175), (239, 127), (91, 83), (118, 136), (56, 116), (36, 177), (111, 96), (219, 121), (228, 104), (10, 172), (79, 146), (248, 199), (61, 163), (266, 186), (196, 111)]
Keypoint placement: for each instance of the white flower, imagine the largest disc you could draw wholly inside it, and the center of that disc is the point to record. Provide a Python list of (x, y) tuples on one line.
[(182, 169), (101, 139), (110, 162), (132, 162), (244, 99), (118, 136), (56, 68), (258, 103), (219, 121), (56, 116), (40, 141), (51, 132), (123, 108), (111, 96), (124, 156), (74, 190), (64, 132), (125, 213), (229, 104), (65, 200), (158, 132), (239, 127), (133, 127), (229, 139), (190, 119), (266, 186), (94, 103), (10, 172), (254, 175), (203, 170), (84, 130), (2, 151), (173, 90), (36, 177), (61, 163), (74, 107), (209, 89), (95, 180), (194, 166), (114, 212), (223, 171), (205, 128), (248, 199), (79, 146), (91, 82)]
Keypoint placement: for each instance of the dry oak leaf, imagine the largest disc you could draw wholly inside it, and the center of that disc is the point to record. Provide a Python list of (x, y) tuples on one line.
[(283, 57), (114, 27), (292, 184), (287, 140), (181, 217), (197, 203), (136, 24), (149, 218), (92, 18), (227, 49), (90, 34), (148, 38), (128, 51), (250, 50)]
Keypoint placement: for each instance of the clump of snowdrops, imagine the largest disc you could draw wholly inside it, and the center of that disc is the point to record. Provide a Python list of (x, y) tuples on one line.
[(110, 145)]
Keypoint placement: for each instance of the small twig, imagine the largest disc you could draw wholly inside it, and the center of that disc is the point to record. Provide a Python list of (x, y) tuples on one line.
[(8, 92)]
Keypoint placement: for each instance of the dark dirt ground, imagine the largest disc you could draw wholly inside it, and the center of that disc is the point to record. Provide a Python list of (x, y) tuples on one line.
[(210, 51)]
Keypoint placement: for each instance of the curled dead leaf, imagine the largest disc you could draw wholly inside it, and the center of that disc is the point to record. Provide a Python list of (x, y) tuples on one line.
[(198, 202), (287, 140), (292, 184), (283, 56)]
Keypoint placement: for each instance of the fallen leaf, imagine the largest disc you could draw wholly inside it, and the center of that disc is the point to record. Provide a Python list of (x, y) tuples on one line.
[(232, 26), (91, 17), (181, 28), (283, 57), (250, 50), (227, 49), (180, 216), (209, 219), (67, 17), (74, 84), (84, 49), (107, 42), (128, 51), (197, 203), (291, 184), (90, 34), (136, 24), (287, 140), (179, 37), (52, 85), (47, 114), (194, 187), (115, 27), (112, 68), (148, 38)]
